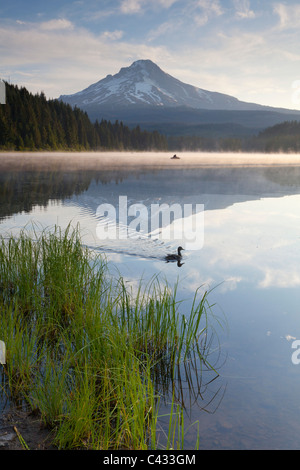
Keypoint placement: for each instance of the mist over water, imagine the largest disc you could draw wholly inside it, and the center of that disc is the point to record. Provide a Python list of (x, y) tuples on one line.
[(250, 258), (86, 160)]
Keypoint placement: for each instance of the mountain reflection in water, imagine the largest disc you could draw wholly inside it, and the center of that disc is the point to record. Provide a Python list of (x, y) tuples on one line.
[(250, 262)]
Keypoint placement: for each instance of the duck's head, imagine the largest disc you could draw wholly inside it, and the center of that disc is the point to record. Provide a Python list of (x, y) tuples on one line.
[(180, 250)]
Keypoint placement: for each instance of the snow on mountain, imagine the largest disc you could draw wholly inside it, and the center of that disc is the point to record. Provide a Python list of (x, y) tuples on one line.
[(145, 84)]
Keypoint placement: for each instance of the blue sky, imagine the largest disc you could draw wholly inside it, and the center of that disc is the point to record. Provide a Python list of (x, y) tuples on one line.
[(245, 48)]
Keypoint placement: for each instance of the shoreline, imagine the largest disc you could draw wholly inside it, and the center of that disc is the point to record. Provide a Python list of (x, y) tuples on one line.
[(22, 430)]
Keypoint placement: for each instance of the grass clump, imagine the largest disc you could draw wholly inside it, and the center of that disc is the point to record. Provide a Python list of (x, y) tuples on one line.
[(82, 350)]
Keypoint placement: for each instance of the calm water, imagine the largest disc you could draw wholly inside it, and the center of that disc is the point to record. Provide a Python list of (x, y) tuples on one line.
[(250, 258)]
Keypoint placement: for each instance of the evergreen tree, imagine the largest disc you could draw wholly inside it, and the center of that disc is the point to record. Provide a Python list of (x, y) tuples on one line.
[(31, 122)]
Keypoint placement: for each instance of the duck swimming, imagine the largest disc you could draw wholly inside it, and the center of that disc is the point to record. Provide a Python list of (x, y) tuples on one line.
[(174, 257)]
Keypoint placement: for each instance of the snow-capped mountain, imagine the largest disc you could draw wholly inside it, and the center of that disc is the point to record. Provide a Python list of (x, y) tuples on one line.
[(143, 94), (145, 84)]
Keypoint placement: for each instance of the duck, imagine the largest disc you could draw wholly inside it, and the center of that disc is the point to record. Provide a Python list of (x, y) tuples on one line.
[(175, 157), (173, 257)]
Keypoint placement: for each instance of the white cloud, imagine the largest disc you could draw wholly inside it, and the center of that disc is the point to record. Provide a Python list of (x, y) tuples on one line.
[(65, 60), (289, 15), (131, 6), (167, 3), (226, 65), (210, 6), (239, 242), (239, 62), (208, 9), (281, 278), (243, 9), (136, 6), (163, 29), (57, 24), (112, 35)]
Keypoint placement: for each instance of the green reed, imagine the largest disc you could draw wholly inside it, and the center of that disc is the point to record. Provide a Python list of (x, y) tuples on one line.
[(83, 349)]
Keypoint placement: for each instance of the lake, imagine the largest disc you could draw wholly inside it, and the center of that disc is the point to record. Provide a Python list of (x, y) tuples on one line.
[(246, 252)]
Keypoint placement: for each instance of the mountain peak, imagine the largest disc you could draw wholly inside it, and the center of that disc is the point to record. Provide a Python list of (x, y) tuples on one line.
[(145, 84), (142, 65)]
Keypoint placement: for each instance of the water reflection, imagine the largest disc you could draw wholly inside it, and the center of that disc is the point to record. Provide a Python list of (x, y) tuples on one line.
[(30, 180), (250, 252)]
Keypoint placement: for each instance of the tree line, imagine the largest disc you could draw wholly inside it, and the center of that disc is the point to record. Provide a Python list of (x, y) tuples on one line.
[(283, 137), (31, 122)]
